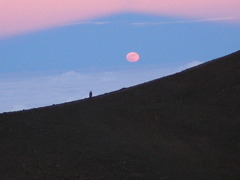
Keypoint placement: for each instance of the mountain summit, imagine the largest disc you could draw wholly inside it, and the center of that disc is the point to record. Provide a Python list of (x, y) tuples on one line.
[(183, 126)]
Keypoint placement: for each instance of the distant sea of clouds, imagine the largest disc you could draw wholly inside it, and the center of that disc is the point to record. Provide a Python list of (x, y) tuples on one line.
[(26, 91)]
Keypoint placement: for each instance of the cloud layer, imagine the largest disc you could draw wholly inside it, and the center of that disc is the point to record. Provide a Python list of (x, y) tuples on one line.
[(187, 21), (28, 15), (42, 90)]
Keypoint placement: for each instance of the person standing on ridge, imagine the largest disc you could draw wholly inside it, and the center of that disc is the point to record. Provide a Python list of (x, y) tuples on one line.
[(90, 94)]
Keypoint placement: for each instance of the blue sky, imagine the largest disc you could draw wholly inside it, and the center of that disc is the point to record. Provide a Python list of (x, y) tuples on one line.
[(97, 48)]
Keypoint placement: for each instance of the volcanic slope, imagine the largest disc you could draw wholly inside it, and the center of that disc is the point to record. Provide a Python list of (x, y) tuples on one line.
[(183, 126)]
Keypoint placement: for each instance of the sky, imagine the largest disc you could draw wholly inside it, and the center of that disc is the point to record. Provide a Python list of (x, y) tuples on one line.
[(57, 51)]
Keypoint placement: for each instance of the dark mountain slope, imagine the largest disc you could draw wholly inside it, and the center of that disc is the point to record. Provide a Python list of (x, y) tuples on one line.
[(184, 126)]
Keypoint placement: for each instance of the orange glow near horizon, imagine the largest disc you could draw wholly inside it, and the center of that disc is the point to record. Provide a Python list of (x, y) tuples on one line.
[(27, 15)]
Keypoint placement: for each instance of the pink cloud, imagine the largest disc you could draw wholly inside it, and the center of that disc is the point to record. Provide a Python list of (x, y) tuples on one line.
[(21, 16)]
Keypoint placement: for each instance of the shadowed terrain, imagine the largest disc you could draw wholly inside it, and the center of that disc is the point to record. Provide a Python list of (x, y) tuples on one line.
[(183, 126)]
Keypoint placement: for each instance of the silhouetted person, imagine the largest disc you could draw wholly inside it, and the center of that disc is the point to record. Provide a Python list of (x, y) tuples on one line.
[(90, 94)]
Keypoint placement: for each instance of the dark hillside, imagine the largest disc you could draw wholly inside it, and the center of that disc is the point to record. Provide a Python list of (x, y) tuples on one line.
[(184, 126)]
